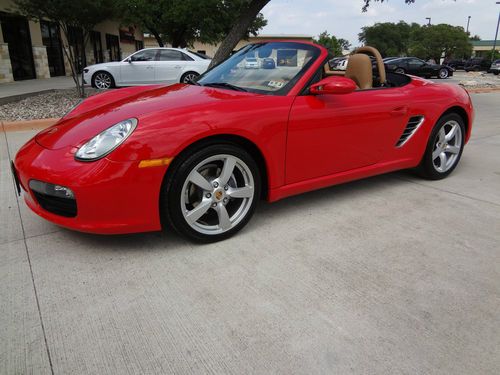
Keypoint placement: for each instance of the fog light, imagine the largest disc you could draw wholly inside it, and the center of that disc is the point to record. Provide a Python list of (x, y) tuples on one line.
[(51, 189)]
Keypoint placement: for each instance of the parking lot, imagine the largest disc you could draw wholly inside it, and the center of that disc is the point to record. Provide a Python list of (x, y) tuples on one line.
[(391, 274)]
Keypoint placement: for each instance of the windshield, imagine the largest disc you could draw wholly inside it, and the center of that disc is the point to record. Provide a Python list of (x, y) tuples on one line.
[(276, 67)]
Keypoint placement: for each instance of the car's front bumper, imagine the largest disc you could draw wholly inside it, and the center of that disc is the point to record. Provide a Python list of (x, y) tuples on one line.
[(111, 197)]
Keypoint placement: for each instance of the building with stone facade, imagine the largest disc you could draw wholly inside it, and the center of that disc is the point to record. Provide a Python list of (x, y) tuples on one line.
[(34, 50)]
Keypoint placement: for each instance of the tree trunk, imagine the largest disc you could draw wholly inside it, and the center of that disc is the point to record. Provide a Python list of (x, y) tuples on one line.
[(68, 51), (238, 30), (157, 36)]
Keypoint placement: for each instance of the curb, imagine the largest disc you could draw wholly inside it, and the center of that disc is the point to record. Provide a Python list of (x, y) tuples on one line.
[(15, 98), (18, 126), (482, 90)]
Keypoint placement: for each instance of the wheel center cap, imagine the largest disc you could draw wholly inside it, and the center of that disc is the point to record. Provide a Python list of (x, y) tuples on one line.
[(219, 194)]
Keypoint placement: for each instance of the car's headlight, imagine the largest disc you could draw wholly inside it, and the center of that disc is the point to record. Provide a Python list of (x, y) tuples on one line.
[(105, 142)]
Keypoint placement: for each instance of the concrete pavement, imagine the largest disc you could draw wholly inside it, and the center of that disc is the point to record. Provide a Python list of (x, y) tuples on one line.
[(389, 275), (20, 89)]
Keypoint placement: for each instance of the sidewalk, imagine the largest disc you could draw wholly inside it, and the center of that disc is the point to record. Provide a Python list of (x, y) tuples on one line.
[(21, 89)]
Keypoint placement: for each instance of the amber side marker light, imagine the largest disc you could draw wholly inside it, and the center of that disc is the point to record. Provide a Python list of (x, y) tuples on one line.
[(154, 162)]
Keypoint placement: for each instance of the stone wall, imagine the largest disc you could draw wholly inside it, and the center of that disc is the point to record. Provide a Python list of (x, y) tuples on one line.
[(41, 62), (5, 66)]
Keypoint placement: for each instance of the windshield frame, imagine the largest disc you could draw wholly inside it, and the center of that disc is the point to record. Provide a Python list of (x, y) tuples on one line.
[(317, 53)]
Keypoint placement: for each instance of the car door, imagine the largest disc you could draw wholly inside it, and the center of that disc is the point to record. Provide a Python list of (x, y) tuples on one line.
[(170, 66), (139, 69), (329, 134), (416, 67)]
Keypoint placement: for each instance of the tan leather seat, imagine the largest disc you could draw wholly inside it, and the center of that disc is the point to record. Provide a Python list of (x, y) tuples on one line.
[(359, 69)]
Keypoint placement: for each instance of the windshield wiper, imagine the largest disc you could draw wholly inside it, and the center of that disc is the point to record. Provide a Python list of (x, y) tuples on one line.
[(225, 85)]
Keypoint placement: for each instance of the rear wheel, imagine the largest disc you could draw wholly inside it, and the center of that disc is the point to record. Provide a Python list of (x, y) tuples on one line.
[(212, 194), (189, 77), (444, 148), (443, 73)]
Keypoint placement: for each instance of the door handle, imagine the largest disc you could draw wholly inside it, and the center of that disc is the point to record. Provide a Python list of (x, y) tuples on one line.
[(149, 67), (177, 67), (399, 111)]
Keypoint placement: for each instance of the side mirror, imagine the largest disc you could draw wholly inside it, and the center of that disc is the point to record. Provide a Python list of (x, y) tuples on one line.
[(129, 60), (333, 85)]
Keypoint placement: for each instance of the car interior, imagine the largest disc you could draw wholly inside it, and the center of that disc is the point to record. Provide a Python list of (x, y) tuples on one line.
[(365, 74)]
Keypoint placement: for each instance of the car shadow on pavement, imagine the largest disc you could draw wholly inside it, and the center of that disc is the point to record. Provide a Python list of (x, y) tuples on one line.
[(291, 208)]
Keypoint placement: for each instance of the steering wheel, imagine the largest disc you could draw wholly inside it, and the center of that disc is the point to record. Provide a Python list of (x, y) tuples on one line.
[(367, 50)]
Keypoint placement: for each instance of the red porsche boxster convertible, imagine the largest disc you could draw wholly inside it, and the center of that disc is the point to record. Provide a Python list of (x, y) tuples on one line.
[(197, 157)]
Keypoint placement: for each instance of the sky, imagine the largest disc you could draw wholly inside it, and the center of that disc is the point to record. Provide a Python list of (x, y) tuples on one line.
[(344, 19)]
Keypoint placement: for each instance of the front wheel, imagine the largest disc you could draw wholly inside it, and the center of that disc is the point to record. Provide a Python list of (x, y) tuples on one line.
[(443, 73), (103, 81), (444, 148), (212, 194)]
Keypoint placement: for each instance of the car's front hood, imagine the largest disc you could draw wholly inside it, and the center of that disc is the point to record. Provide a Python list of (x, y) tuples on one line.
[(103, 65), (102, 111)]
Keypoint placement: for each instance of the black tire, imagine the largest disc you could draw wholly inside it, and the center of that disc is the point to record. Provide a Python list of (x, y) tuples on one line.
[(174, 182), (97, 76), (426, 168), (443, 73), (191, 75), (399, 71), (496, 73)]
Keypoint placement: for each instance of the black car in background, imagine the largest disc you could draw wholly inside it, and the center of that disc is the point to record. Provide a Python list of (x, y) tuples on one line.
[(418, 67), (456, 63), (477, 64)]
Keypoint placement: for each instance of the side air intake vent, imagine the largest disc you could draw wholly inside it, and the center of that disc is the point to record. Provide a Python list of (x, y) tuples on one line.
[(412, 126)]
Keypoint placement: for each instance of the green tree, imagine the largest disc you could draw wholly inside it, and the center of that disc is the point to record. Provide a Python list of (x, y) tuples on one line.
[(330, 42), (181, 22), (391, 39), (436, 41), (81, 14)]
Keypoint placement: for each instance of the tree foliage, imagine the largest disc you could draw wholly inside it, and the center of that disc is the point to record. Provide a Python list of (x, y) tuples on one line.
[(332, 44), (429, 41), (367, 3), (82, 14), (391, 39), (181, 22), (436, 41)]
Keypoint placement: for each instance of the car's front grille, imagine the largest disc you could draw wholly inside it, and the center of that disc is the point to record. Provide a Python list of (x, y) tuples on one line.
[(60, 206), (412, 126)]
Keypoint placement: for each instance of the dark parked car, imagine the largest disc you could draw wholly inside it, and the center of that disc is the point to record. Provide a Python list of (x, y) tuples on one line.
[(456, 63), (495, 67), (477, 64), (268, 63), (417, 67)]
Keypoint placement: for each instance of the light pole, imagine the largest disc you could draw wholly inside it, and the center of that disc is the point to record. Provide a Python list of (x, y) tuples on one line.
[(468, 21), (429, 20), (496, 36)]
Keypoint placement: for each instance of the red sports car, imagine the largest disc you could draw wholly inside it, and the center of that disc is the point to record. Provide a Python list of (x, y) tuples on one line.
[(197, 157)]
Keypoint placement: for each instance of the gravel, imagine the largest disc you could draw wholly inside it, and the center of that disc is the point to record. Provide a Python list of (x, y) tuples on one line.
[(47, 105), (480, 80)]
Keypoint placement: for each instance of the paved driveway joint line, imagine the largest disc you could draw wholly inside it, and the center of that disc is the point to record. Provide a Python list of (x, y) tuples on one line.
[(29, 263)]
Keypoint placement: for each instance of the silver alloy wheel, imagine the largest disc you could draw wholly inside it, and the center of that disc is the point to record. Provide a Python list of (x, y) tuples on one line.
[(190, 77), (102, 81), (217, 194), (443, 73), (447, 146)]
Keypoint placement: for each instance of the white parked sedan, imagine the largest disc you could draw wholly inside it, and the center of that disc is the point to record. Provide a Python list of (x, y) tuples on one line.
[(148, 66)]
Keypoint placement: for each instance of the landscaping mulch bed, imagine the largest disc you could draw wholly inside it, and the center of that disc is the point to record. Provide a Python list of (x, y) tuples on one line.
[(45, 105)]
